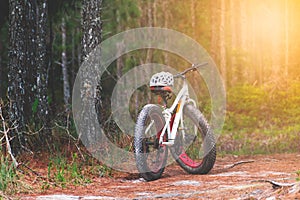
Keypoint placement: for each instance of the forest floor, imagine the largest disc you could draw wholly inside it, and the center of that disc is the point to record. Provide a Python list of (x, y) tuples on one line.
[(233, 177)]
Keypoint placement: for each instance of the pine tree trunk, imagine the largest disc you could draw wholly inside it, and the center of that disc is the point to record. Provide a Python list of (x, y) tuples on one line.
[(243, 24), (214, 31), (92, 32), (27, 75), (154, 11), (149, 54), (30, 65), (64, 66), (79, 50), (233, 25), (223, 43), (166, 24), (193, 19), (286, 22), (91, 25), (51, 65), (120, 62), (73, 65), (17, 71), (42, 68), (276, 47), (1, 76), (239, 49)]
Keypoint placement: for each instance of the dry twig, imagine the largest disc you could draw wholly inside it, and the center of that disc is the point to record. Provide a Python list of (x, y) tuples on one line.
[(238, 163), (233, 165), (5, 132), (276, 184), (71, 136)]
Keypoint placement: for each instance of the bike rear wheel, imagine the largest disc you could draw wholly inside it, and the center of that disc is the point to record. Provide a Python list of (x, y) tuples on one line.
[(150, 156), (194, 148)]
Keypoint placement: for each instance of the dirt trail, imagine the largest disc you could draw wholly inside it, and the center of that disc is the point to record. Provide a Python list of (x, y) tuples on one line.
[(225, 181)]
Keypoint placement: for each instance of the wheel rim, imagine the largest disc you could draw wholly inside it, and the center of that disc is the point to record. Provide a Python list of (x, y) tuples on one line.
[(189, 150), (188, 161)]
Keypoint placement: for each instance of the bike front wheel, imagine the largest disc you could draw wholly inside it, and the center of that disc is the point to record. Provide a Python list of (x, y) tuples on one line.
[(150, 155), (194, 148)]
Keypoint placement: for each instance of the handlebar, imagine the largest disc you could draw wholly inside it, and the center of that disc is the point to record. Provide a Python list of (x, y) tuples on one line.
[(193, 68)]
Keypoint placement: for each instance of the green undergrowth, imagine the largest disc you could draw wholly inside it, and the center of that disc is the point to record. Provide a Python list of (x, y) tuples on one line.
[(260, 120), (8, 176), (281, 140), (298, 175), (62, 171)]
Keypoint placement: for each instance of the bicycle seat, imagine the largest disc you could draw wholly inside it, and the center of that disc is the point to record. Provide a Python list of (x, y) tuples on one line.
[(161, 89)]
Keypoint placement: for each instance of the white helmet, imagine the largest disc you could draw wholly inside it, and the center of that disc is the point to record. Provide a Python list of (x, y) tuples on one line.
[(162, 79)]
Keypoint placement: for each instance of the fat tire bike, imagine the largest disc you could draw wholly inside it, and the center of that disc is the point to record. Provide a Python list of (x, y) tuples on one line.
[(182, 128)]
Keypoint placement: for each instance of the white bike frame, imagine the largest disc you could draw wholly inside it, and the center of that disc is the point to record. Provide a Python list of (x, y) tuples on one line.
[(181, 99)]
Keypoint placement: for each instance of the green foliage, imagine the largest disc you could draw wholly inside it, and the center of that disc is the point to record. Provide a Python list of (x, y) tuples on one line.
[(119, 15), (7, 176), (298, 174), (34, 106), (64, 172)]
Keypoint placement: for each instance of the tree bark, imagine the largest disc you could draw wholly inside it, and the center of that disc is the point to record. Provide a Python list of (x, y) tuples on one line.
[(42, 67), (243, 24), (79, 50), (91, 26), (214, 31), (73, 65), (276, 46), (120, 61), (233, 29), (243, 38), (66, 85), (149, 54), (1, 77), (92, 35), (193, 19), (17, 71), (286, 22), (51, 65), (166, 24), (28, 69), (223, 43)]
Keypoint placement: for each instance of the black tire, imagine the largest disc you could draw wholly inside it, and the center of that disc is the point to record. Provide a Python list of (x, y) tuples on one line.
[(186, 151), (150, 156)]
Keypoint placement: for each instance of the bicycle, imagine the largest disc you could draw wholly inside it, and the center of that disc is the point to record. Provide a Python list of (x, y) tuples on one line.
[(159, 128)]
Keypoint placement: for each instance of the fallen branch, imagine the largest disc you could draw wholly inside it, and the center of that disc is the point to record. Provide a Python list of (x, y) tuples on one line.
[(36, 174), (239, 163), (71, 136), (31, 170), (295, 188), (227, 167), (276, 184)]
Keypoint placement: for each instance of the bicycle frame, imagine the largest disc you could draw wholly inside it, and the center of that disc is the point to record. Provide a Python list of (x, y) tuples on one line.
[(178, 104)]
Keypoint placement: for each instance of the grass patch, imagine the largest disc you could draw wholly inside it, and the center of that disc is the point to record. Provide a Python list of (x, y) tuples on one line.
[(280, 140), (260, 120), (8, 177), (65, 172)]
